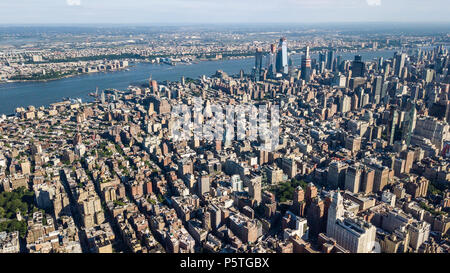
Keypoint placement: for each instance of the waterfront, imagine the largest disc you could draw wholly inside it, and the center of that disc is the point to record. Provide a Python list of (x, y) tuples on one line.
[(23, 94)]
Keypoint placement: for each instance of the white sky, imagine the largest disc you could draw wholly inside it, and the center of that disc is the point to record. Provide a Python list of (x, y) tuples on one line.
[(221, 11)]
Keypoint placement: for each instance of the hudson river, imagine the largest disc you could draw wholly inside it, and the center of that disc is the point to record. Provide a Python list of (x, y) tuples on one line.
[(23, 94)]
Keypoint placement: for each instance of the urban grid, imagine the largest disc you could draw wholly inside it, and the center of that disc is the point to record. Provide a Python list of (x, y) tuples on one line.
[(359, 161)]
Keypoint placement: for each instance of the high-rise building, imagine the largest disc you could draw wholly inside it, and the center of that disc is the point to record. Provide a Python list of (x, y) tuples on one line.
[(392, 126), (380, 177), (322, 61), (410, 122), (399, 63), (336, 174), (335, 212), (316, 217), (203, 184), (358, 67), (258, 63), (330, 59), (254, 189), (419, 233), (306, 66), (378, 84), (355, 235), (282, 57), (384, 90), (236, 183), (272, 60), (433, 129), (345, 104), (367, 180), (353, 178)]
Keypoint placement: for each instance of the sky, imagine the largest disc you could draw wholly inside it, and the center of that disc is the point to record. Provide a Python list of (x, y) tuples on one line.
[(220, 11)]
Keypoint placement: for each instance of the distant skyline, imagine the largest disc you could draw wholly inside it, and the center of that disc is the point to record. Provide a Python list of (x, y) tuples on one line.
[(220, 11)]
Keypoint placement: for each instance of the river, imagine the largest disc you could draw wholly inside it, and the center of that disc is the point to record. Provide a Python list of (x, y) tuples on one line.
[(23, 94)]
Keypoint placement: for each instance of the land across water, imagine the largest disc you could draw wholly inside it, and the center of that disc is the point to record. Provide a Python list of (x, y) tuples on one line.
[(23, 94)]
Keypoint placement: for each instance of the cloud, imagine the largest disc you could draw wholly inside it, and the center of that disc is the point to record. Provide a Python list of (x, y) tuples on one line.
[(373, 3), (73, 2)]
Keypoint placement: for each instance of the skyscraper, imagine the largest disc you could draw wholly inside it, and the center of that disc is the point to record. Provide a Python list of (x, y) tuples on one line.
[(399, 63), (377, 89), (358, 67), (353, 178), (322, 61), (384, 90), (411, 123), (306, 66), (335, 212), (330, 59), (272, 60), (282, 57), (393, 126), (258, 63)]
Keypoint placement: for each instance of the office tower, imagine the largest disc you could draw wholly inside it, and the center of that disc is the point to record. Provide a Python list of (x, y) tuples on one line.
[(378, 84), (384, 90), (410, 124), (322, 61), (330, 59), (322, 57), (399, 63), (358, 67), (306, 66), (360, 94), (258, 63), (338, 63), (353, 178), (335, 212), (380, 63), (282, 57), (392, 126), (272, 60)]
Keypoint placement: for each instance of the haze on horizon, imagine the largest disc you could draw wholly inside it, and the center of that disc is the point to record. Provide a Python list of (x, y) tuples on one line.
[(220, 11)]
